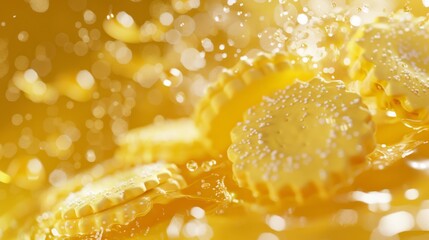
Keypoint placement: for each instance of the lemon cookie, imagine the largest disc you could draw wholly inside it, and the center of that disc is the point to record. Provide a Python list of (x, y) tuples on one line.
[(55, 194), (239, 88), (389, 60), (115, 199), (303, 139), (175, 141)]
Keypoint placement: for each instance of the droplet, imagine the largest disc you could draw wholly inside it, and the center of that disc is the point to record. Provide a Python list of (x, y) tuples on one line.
[(207, 165), (192, 166), (205, 185)]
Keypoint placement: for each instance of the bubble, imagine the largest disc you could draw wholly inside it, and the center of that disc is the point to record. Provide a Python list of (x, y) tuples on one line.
[(208, 165), (205, 185), (180, 97), (192, 166), (272, 39)]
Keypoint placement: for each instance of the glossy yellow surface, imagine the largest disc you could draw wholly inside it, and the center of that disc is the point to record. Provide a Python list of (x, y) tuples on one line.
[(76, 75), (276, 149)]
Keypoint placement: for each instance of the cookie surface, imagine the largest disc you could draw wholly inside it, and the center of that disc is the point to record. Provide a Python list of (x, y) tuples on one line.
[(301, 139), (115, 199), (239, 88), (174, 141), (390, 64)]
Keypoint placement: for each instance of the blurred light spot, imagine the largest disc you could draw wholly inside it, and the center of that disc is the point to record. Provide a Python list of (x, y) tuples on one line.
[(267, 236), (30, 75), (395, 223), (419, 165), (276, 223), (123, 55), (422, 219), (23, 36), (197, 228), (90, 155), (166, 18), (89, 17), (231, 2), (197, 212), (39, 6), (207, 45), (4, 178), (175, 226), (185, 25), (355, 21), (302, 19), (391, 114), (17, 119), (63, 142), (125, 19), (346, 217), (412, 194), (57, 178), (147, 75), (85, 79), (372, 197), (34, 166), (192, 59)]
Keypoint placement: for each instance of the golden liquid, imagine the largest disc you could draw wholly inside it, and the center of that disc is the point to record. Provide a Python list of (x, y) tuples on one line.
[(53, 125)]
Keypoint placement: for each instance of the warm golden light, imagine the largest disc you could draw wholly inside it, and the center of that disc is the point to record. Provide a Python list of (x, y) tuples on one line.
[(214, 119)]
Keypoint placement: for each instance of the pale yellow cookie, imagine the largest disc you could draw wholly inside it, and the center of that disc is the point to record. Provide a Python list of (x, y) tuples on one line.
[(115, 199), (55, 194), (390, 63), (175, 141), (239, 88), (306, 138)]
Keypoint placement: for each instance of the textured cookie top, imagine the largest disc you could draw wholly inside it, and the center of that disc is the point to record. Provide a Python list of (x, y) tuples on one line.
[(114, 190), (398, 50), (239, 88), (175, 141), (300, 135)]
